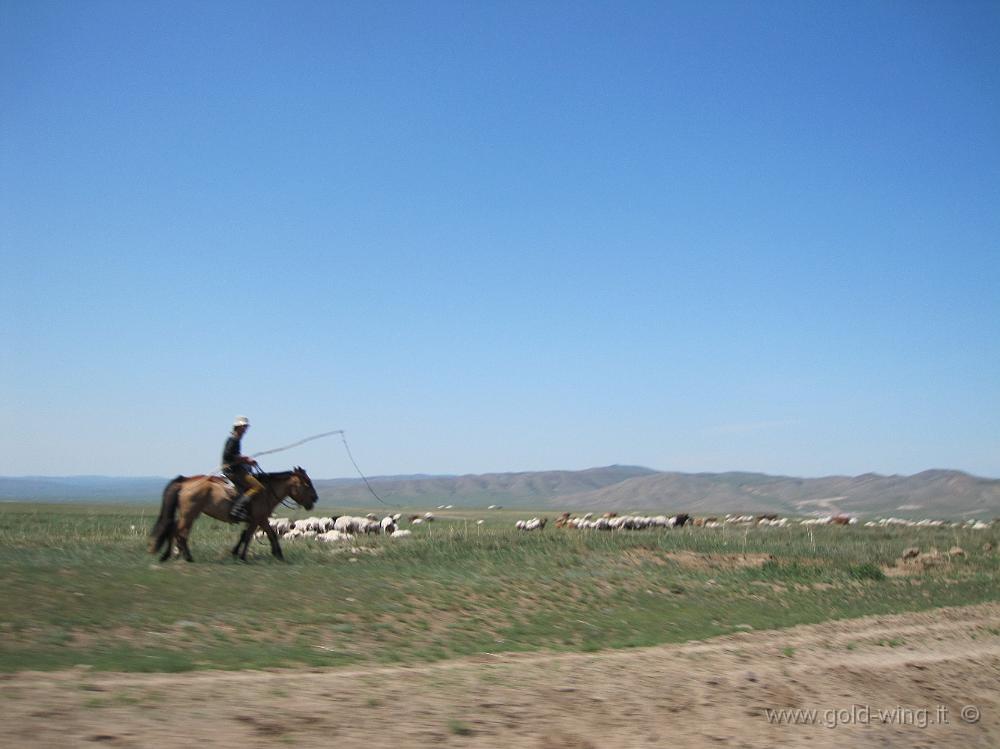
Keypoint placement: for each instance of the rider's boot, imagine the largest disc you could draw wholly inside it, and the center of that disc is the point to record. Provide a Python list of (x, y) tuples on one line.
[(238, 510)]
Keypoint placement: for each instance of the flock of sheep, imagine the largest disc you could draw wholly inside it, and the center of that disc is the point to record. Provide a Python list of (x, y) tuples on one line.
[(345, 527), (613, 521), (976, 525)]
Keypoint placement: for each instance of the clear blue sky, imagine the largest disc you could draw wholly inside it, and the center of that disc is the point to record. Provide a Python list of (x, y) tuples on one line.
[(500, 236)]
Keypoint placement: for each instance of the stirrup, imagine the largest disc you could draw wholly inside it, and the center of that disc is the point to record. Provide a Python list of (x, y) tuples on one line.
[(239, 510)]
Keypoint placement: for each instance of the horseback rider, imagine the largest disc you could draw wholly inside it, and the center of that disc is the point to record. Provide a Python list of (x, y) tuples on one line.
[(237, 468)]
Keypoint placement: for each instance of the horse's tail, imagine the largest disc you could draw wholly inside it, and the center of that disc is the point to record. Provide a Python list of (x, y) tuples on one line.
[(163, 531)]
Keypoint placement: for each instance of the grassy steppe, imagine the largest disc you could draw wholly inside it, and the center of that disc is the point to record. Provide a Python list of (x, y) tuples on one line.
[(78, 588)]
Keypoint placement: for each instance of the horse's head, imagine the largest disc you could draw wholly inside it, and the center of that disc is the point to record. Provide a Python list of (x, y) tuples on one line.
[(301, 489)]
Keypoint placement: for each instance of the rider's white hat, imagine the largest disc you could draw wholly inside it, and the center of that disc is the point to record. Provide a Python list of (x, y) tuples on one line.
[(241, 421)]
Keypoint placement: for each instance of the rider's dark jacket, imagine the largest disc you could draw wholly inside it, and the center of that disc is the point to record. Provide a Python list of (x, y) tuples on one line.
[(232, 466)]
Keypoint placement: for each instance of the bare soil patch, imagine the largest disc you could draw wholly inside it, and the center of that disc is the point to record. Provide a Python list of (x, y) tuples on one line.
[(699, 694), (916, 562), (695, 561)]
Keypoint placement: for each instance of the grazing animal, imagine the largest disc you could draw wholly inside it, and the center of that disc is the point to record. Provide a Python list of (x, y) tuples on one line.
[(345, 524), (187, 497), (387, 525), (535, 524)]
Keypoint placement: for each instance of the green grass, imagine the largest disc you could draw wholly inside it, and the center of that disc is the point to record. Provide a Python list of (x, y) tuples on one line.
[(459, 728), (867, 571), (79, 589)]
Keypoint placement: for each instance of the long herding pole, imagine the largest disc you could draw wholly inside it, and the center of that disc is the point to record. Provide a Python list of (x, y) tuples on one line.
[(300, 442)]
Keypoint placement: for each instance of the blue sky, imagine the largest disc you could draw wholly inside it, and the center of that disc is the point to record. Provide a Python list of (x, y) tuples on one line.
[(500, 236)]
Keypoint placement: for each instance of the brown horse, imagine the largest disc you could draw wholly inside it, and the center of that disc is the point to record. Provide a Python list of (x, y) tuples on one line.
[(187, 497)]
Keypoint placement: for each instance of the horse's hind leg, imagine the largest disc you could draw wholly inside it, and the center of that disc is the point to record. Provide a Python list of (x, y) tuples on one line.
[(183, 531), (182, 544), (168, 549)]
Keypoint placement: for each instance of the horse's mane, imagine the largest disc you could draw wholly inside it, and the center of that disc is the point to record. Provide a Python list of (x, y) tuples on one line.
[(277, 476)]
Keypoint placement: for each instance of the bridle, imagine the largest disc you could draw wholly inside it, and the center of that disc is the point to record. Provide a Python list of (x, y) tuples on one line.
[(283, 501)]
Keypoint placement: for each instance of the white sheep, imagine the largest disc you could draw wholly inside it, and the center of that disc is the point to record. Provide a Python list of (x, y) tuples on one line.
[(530, 525), (353, 524), (387, 525), (367, 525), (334, 537), (344, 524), (280, 525)]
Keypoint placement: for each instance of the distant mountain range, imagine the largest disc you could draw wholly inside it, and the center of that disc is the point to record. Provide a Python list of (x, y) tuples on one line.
[(936, 493), (81, 488)]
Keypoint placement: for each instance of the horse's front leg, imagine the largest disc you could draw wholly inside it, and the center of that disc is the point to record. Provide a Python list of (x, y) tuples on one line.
[(272, 536), (239, 542), (247, 536)]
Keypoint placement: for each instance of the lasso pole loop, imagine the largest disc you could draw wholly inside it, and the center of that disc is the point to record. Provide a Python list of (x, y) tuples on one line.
[(349, 455), (347, 447)]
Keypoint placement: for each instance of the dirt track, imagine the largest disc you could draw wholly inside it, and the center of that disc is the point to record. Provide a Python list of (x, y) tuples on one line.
[(920, 669)]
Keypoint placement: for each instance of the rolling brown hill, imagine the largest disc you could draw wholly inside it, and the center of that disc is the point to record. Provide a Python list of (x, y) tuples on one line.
[(534, 488), (935, 493)]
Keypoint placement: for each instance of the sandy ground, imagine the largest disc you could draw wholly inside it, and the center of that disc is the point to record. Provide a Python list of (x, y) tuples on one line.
[(935, 677)]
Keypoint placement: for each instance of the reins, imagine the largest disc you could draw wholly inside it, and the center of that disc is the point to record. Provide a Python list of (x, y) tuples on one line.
[(283, 501)]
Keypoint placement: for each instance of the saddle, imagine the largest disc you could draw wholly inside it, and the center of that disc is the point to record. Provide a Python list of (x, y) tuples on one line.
[(232, 491), (237, 511)]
